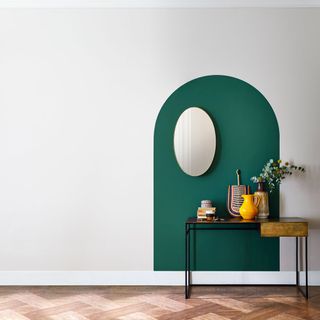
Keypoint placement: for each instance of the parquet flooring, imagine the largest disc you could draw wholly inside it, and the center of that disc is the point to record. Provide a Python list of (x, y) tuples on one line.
[(162, 303)]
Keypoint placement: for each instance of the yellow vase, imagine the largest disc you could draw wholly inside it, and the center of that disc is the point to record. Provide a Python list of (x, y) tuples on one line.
[(249, 208)]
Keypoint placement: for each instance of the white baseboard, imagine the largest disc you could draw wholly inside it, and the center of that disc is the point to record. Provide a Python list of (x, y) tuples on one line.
[(149, 277)]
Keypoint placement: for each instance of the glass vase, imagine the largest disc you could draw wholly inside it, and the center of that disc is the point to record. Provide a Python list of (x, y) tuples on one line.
[(264, 201)]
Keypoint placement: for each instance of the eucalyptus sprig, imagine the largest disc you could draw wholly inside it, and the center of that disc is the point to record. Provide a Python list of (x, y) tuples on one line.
[(274, 172)]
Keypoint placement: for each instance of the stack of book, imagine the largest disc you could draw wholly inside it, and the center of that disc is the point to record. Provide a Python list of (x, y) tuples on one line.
[(201, 213)]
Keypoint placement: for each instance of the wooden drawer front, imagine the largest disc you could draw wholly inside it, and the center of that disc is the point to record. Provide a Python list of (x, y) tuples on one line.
[(284, 229)]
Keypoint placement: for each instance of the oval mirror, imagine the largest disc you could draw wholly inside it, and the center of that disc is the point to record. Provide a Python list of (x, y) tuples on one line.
[(194, 141)]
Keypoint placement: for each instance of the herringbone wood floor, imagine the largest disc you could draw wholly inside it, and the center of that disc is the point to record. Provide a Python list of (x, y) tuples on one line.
[(163, 303)]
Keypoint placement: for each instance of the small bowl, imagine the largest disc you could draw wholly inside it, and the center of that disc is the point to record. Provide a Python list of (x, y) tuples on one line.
[(210, 216)]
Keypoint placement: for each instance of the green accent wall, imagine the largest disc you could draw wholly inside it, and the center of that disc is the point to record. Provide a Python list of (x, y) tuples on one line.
[(247, 136)]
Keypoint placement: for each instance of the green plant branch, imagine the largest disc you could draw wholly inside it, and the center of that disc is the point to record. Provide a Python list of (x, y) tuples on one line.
[(274, 172)]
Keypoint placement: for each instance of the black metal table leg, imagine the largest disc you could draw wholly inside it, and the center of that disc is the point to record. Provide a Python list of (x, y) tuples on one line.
[(306, 259), (186, 263), (297, 263), (306, 292), (189, 267)]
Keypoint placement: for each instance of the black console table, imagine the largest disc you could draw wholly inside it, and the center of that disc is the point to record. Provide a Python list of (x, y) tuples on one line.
[(282, 227)]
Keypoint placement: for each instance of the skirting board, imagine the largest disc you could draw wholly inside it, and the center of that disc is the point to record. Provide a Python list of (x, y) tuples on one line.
[(76, 278)]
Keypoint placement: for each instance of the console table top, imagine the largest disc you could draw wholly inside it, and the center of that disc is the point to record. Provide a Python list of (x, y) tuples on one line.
[(230, 220)]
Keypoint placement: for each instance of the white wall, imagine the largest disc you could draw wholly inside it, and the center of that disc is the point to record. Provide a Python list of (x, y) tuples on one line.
[(80, 91)]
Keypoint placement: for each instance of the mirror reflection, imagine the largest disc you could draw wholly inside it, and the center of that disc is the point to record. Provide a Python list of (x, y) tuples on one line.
[(194, 141)]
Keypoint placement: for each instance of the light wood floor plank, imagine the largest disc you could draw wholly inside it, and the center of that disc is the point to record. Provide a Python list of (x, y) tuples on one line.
[(164, 302), (137, 316), (210, 316), (11, 315), (284, 316), (71, 315), (234, 304)]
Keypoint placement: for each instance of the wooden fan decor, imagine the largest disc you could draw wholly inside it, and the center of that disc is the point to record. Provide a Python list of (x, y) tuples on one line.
[(234, 196)]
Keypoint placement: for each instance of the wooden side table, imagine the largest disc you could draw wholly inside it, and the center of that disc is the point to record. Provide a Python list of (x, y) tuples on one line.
[(282, 227)]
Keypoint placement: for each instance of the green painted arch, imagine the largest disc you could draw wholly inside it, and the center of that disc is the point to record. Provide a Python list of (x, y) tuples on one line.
[(247, 136)]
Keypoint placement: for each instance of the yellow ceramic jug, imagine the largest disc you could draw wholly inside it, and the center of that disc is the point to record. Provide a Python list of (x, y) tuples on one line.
[(249, 208)]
